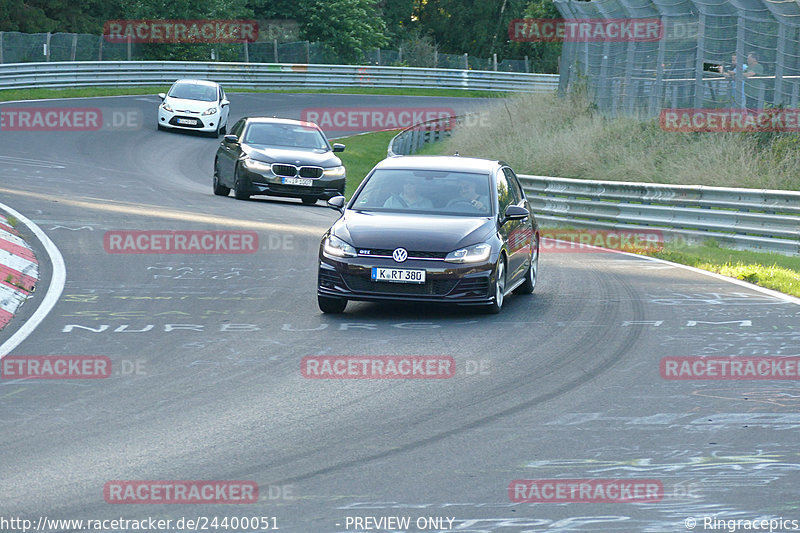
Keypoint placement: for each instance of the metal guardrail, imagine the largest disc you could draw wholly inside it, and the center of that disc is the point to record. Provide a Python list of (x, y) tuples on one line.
[(264, 75), (745, 219)]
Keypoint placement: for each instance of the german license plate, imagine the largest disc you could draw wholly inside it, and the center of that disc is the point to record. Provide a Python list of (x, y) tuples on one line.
[(398, 275), (298, 181), (187, 121)]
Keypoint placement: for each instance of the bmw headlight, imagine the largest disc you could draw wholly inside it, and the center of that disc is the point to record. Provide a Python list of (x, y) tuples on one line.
[(471, 254), (258, 166), (166, 107), (333, 172), (210, 111), (336, 247)]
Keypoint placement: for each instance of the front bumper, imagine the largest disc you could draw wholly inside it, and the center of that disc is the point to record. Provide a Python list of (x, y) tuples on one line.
[(175, 120), (351, 278), (271, 185)]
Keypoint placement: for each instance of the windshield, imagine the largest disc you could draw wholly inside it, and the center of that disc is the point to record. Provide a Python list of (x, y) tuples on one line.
[(425, 191), (286, 135), (194, 91)]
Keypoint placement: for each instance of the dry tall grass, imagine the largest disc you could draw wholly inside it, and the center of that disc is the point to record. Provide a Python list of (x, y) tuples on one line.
[(544, 135)]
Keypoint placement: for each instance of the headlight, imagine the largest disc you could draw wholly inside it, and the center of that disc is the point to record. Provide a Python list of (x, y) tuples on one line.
[(338, 248), (210, 111), (471, 254), (166, 107), (333, 172), (260, 166)]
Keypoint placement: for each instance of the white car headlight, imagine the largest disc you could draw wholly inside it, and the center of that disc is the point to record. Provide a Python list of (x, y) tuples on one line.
[(210, 111), (338, 248), (471, 254), (333, 172), (166, 107), (260, 166)]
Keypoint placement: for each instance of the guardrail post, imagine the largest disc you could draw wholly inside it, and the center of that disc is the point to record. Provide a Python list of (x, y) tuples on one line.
[(435, 58), (527, 66), (494, 62), (466, 61), (47, 47), (74, 46), (246, 51), (275, 50), (129, 47), (308, 52), (100, 49), (379, 56), (1, 47), (400, 55)]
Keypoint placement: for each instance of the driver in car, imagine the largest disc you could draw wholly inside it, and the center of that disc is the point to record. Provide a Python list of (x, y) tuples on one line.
[(409, 198), (467, 194)]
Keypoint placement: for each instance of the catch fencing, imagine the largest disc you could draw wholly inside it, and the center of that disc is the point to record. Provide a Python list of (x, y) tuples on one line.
[(681, 69)]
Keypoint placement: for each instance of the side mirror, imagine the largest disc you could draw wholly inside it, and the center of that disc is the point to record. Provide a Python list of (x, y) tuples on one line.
[(337, 202), (163, 96), (338, 147), (224, 102), (231, 139), (515, 212)]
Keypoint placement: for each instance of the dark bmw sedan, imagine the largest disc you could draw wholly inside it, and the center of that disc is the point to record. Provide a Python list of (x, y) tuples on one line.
[(278, 157), (431, 229)]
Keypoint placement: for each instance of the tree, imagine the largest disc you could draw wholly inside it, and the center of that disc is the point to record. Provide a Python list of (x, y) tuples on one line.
[(347, 28)]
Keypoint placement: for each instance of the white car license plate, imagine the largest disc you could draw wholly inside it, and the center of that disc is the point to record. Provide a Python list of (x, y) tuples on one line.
[(187, 121), (298, 181), (398, 275)]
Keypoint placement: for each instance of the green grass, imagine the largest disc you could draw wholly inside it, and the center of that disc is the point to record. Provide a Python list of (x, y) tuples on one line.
[(770, 270), (12, 221), (85, 92), (361, 154)]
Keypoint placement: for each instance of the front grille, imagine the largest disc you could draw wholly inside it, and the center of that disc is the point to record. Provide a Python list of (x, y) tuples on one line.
[(411, 254), (296, 189), (291, 171), (288, 171), (311, 172), (439, 287)]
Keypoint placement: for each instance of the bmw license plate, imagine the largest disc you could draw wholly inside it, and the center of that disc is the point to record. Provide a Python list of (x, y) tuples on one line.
[(187, 121), (298, 181), (398, 275)]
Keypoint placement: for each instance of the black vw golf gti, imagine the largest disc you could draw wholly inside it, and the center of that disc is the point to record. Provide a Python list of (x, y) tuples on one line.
[(431, 229), (278, 157)]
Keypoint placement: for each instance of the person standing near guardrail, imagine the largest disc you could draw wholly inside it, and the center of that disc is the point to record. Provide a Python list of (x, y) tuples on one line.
[(736, 96), (752, 87)]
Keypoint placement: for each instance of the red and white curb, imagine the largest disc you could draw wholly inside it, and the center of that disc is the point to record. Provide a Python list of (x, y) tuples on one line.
[(19, 271), (18, 261)]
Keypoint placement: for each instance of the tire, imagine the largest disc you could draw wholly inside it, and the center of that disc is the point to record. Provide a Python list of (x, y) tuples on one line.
[(238, 192), (309, 201), (499, 287), (223, 130), (331, 305), (533, 271), (219, 189)]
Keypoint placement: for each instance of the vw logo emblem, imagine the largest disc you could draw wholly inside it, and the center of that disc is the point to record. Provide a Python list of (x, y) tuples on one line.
[(400, 255)]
